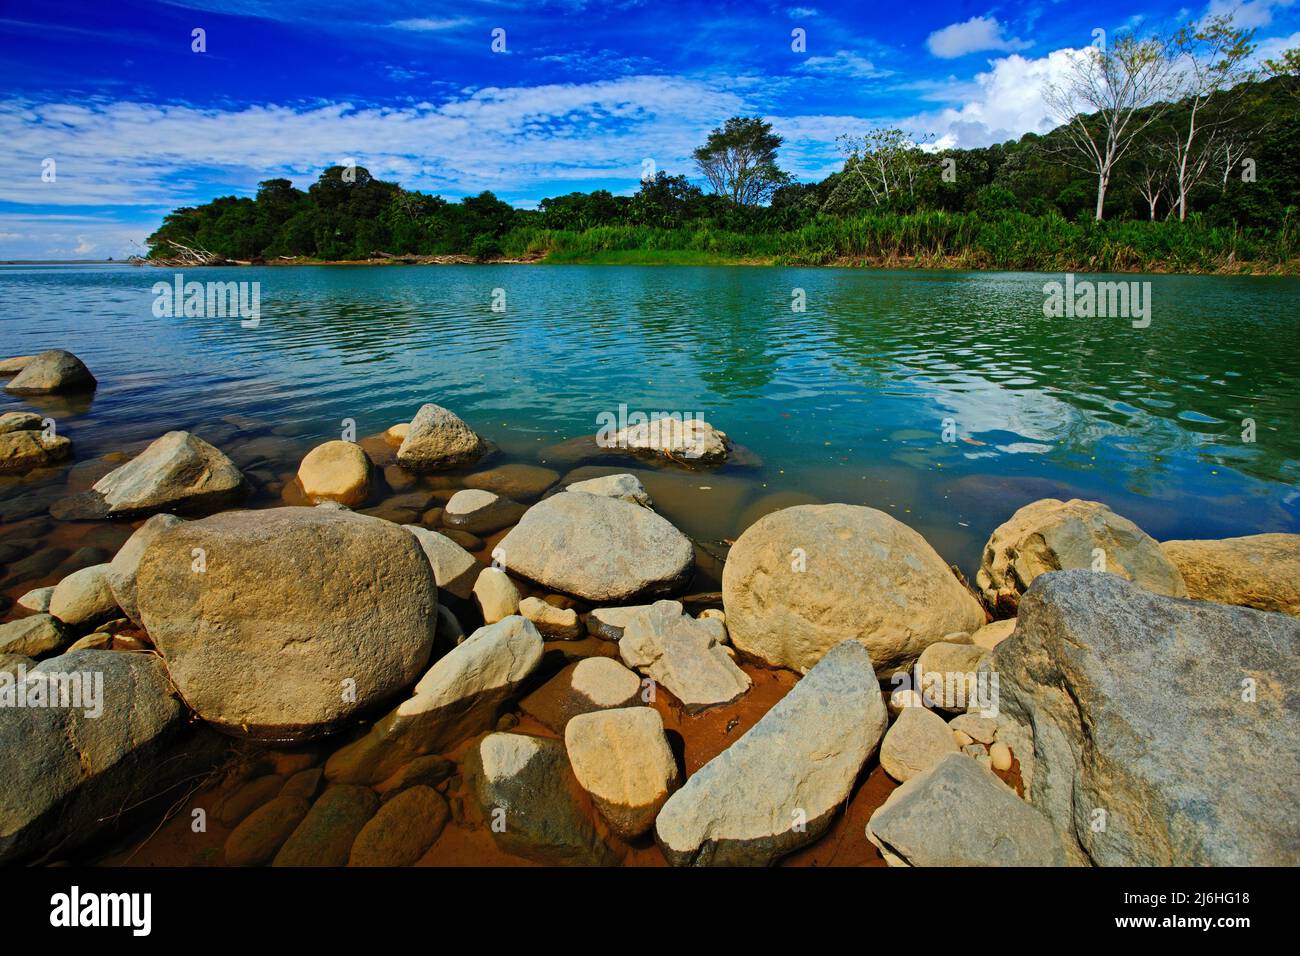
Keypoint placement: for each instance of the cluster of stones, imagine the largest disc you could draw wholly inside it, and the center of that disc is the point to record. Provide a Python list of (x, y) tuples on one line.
[(292, 626)]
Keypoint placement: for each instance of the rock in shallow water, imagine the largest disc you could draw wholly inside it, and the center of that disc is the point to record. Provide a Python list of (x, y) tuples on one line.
[(336, 471), (458, 697), (555, 623), (1175, 718), (52, 371), (437, 439), (957, 813), (298, 619), (591, 684), (683, 654), (326, 834), (778, 787), (1259, 570), (1052, 535), (178, 472), (801, 580), (530, 801), (23, 450), (259, 837), (690, 441), (402, 830), (598, 549), (480, 512), (65, 772)]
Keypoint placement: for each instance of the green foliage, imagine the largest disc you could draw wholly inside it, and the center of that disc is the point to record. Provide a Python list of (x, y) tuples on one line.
[(1013, 205)]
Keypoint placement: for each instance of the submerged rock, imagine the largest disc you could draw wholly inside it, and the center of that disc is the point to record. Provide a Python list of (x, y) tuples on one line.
[(684, 654), (691, 440), (519, 482), (438, 439), (257, 839), (14, 365), (178, 472), (1259, 570), (402, 830), (1170, 721), (598, 549), (459, 696), (530, 801), (957, 813), (296, 619), (336, 471), (801, 580), (778, 787), (52, 371), (622, 759), (480, 512), (1052, 535), (21, 450), (67, 770), (326, 834)]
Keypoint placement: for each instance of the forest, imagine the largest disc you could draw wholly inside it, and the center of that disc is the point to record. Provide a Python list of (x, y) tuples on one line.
[(1207, 179)]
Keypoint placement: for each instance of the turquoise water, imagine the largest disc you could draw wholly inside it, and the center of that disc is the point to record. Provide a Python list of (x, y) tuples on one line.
[(846, 401)]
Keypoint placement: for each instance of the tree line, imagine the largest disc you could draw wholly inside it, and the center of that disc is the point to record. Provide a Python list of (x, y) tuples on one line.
[(1173, 129)]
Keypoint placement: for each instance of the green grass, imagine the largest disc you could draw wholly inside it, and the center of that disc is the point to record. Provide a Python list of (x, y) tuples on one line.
[(1013, 241)]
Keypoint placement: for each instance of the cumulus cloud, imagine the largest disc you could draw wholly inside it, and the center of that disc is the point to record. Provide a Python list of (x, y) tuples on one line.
[(1247, 14), (973, 36), (1002, 103)]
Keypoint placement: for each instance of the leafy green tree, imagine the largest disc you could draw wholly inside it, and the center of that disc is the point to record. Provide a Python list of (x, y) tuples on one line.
[(739, 160)]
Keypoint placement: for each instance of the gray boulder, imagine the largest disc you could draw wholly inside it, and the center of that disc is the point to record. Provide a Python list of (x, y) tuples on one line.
[(957, 813), (296, 620), (1154, 731), (529, 799), (778, 787), (52, 371), (598, 549), (68, 771)]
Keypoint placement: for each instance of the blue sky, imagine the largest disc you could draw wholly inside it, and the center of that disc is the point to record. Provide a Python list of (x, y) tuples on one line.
[(137, 123)]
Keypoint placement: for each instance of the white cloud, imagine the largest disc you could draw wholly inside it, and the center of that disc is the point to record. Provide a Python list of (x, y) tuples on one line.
[(429, 24), (1247, 14), (844, 63), (1002, 103), (976, 34)]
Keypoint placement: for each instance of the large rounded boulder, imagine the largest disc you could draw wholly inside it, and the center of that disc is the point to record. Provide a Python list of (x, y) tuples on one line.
[(598, 549), (1052, 535), (282, 624), (50, 372), (803, 579)]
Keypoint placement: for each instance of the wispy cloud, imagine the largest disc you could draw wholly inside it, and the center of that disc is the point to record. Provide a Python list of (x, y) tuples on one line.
[(430, 24)]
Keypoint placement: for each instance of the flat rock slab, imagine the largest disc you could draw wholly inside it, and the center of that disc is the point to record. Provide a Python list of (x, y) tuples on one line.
[(778, 787), (957, 813), (685, 654), (598, 549), (1175, 718)]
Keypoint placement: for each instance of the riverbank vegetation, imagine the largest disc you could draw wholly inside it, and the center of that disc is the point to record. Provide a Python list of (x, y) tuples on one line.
[(1209, 182)]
